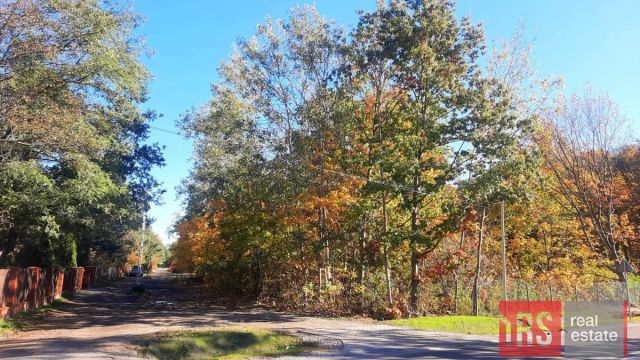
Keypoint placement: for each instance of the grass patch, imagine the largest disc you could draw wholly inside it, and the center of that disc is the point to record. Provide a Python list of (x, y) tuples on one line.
[(57, 302), (6, 326), (223, 344), (481, 325)]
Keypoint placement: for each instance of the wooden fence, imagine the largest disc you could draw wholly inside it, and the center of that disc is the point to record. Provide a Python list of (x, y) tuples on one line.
[(27, 289)]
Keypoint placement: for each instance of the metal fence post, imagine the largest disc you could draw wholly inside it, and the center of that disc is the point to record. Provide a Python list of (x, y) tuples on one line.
[(526, 284)]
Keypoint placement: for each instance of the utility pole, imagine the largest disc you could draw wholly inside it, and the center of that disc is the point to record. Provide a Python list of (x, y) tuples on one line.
[(144, 226), (504, 254)]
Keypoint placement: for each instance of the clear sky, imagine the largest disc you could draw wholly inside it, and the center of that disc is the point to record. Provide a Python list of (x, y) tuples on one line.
[(584, 41)]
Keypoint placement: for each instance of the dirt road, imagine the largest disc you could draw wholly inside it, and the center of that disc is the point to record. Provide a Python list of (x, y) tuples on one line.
[(105, 323)]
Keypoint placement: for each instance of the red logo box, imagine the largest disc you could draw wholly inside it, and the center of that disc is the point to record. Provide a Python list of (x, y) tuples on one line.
[(531, 329)]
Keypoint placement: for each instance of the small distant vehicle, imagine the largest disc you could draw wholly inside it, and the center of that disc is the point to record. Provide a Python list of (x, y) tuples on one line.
[(137, 271), (172, 266)]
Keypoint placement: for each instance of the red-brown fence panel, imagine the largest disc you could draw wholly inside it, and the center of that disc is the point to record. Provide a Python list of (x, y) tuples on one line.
[(26, 289)]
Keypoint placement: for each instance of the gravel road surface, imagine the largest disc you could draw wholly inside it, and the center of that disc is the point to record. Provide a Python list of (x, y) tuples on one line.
[(106, 323)]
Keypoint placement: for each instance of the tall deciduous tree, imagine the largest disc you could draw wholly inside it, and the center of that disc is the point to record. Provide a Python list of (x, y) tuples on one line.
[(588, 132), (71, 82)]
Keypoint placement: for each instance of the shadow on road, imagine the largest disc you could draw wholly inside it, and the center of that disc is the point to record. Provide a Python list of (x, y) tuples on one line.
[(106, 322)]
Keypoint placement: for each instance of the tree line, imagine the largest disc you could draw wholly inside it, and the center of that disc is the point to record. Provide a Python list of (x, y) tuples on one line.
[(74, 157), (365, 170)]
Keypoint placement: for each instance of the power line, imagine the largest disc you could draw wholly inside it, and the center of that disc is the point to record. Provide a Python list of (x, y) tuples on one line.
[(165, 130), (391, 185), (382, 183)]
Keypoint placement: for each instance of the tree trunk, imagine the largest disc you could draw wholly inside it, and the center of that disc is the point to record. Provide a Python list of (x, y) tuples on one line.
[(387, 271), (478, 264), (325, 243), (84, 251), (328, 270), (9, 246), (415, 280), (257, 273), (504, 254), (455, 275), (415, 283), (363, 244), (305, 273), (377, 128)]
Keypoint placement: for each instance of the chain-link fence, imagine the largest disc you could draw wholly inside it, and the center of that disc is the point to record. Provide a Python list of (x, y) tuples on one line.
[(458, 298)]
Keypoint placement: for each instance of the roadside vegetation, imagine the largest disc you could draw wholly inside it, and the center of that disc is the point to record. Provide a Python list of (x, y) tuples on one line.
[(23, 320), (223, 344), (479, 325), (6, 326), (404, 166), (460, 324)]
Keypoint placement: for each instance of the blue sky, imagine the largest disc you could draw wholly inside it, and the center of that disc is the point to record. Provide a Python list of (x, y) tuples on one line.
[(585, 41)]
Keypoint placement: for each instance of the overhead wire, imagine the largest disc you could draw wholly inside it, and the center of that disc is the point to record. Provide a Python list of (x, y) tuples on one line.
[(382, 183)]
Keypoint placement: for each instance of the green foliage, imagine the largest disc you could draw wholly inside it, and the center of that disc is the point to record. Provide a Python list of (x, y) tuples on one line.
[(345, 171), (6, 326), (220, 344), (154, 251), (74, 166), (324, 159)]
